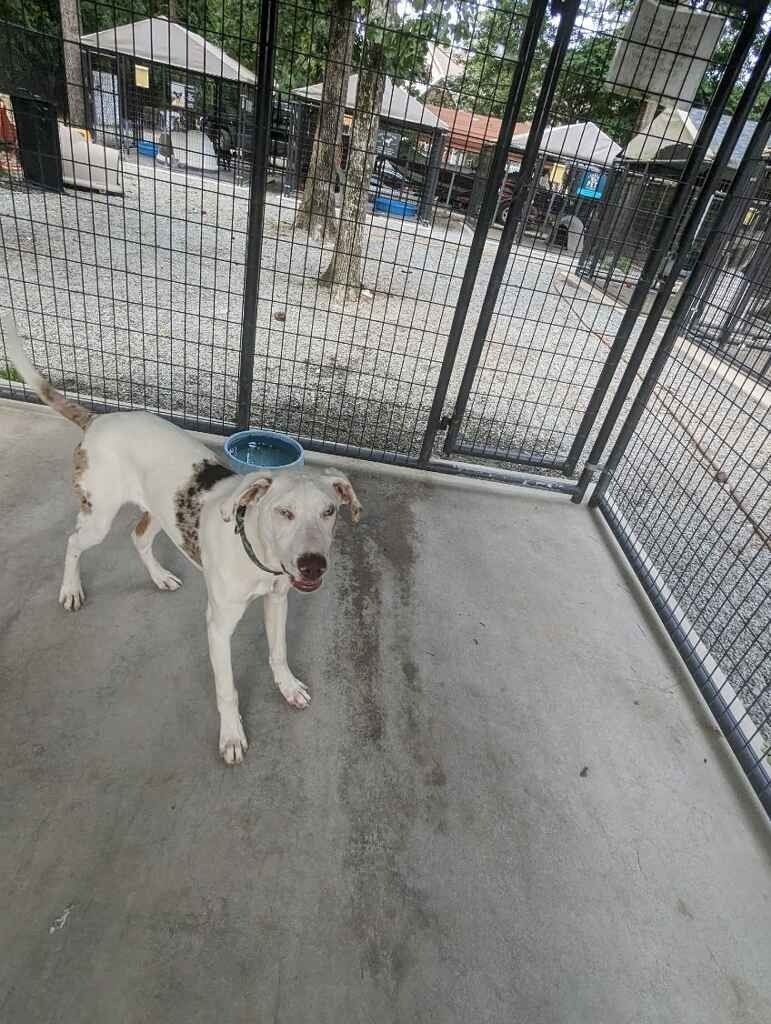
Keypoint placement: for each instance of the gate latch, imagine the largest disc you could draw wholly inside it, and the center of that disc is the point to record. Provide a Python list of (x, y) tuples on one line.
[(445, 422)]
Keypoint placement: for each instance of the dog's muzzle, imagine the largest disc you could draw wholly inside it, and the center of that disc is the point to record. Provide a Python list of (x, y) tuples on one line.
[(311, 569)]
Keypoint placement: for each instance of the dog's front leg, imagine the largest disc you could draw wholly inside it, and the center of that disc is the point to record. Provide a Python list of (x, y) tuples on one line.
[(221, 620), (275, 626)]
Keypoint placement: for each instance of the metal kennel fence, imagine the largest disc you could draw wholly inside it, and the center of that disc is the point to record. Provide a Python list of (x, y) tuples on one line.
[(348, 304)]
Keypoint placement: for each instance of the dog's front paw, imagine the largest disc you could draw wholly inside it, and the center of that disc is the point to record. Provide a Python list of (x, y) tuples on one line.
[(233, 743), (71, 598), (294, 692)]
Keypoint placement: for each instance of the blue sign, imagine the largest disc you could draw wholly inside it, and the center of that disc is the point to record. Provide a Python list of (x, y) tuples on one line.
[(592, 185)]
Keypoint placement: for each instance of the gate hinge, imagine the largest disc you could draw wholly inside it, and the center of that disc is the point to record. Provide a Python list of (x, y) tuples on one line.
[(445, 422), (593, 469)]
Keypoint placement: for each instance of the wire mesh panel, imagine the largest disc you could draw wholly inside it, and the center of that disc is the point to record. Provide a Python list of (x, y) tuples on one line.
[(125, 266), (367, 229), (690, 496), (127, 273), (692, 493), (127, 219), (590, 221), (731, 313)]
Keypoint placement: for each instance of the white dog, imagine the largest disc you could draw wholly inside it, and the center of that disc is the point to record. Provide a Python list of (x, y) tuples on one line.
[(251, 536)]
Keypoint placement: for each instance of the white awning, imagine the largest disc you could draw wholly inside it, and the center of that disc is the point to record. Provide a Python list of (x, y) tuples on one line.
[(159, 41), (581, 143), (397, 104)]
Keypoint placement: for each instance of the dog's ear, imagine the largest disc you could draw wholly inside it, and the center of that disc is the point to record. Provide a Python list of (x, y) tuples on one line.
[(345, 493), (255, 487)]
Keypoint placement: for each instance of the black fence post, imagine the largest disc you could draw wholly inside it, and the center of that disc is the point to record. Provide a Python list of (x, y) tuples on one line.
[(752, 155), (518, 209), (263, 100), (525, 56), (660, 249)]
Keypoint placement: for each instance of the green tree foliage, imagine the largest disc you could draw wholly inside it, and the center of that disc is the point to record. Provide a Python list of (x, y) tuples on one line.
[(720, 59), (30, 41), (581, 94)]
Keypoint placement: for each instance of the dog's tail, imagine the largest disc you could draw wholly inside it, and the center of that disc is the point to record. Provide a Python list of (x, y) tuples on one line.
[(45, 391)]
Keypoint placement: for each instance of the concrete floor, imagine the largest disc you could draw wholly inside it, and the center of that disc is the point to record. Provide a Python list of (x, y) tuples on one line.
[(505, 804)]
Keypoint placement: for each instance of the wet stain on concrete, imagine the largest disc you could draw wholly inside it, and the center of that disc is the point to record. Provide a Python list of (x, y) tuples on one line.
[(392, 782)]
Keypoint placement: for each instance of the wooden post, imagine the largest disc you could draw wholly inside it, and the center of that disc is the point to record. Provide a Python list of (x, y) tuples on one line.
[(73, 67)]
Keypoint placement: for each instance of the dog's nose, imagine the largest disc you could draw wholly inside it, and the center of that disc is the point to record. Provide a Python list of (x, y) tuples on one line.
[(312, 567)]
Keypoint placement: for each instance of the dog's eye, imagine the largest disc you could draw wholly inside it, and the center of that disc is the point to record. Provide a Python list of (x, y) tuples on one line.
[(329, 511), (287, 513)]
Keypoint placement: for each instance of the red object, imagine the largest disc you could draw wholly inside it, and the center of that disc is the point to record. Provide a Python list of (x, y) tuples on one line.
[(7, 128)]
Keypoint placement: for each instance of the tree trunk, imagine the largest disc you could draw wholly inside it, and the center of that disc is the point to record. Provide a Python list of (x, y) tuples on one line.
[(344, 272), (317, 214), (73, 67)]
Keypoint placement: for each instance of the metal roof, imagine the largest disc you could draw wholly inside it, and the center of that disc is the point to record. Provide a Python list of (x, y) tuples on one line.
[(669, 137), (159, 41), (469, 131), (742, 143), (397, 105)]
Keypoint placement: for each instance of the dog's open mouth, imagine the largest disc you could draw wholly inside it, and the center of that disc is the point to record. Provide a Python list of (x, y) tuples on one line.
[(305, 586)]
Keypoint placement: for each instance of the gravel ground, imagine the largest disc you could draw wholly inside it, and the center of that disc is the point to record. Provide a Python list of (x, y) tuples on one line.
[(140, 298)]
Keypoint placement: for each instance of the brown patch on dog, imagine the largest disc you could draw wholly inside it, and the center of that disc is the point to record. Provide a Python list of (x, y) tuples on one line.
[(70, 410), (142, 525), (79, 467), (188, 502)]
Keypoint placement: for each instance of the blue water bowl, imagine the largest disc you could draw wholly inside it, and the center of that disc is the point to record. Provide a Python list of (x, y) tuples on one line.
[(395, 207), (250, 450), (148, 148)]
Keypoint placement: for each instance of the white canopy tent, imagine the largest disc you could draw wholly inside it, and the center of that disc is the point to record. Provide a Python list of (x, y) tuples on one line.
[(159, 41), (581, 143)]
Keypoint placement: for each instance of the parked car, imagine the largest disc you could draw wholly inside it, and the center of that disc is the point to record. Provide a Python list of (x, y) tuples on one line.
[(386, 177)]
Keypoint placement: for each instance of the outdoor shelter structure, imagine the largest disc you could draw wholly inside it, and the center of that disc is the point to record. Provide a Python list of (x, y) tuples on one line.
[(469, 132), (640, 186), (399, 113), (580, 143), (582, 149), (121, 62)]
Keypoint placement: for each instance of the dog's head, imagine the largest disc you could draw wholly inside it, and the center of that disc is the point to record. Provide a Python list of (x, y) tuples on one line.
[(290, 518)]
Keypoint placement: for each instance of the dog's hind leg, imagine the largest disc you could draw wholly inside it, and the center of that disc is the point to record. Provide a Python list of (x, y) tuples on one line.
[(99, 502), (93, 526), (143, 535)]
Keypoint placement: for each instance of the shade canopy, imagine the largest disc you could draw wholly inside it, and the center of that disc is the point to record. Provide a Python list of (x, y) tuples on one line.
[(397, 105), (582, 143), (159, 41)]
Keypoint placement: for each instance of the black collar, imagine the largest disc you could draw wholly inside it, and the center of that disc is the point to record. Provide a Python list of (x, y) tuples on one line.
[(240, 513)]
